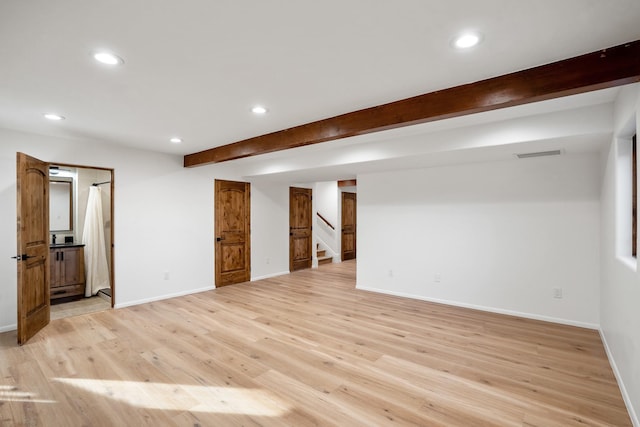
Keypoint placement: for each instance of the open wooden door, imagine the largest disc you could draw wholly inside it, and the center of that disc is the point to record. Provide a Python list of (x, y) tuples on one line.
[(33, 246), (233, 235), (300, 237), (348, 226)]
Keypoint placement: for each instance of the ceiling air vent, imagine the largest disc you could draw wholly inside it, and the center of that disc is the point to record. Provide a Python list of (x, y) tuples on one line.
[(539, 154)]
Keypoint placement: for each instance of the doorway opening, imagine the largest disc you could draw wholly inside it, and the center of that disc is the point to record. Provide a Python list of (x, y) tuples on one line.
[(333, 233), (81, 239)]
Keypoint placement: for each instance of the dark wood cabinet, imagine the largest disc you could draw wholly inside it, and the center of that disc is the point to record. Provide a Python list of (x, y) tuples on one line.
[(67, 271)]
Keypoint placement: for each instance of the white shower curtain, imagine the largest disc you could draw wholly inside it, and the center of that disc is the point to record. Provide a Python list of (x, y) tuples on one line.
[(95, 253)]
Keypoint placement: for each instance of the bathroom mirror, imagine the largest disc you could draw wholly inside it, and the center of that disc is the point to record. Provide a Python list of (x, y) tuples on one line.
[(60, 206)]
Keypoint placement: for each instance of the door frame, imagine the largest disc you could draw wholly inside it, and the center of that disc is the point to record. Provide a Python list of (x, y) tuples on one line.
[(111, 208)]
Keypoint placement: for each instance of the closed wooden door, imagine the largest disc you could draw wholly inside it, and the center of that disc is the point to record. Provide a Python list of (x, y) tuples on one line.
[(300, 228), (33, 246), (348, 226), (233, 235)]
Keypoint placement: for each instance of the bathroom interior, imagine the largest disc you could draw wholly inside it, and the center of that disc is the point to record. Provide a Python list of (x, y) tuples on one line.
[(80, 227)]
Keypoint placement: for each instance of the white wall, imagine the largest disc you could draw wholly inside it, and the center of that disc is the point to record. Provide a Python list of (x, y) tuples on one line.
[(325, 194), (269, 230), (620, 288), (499, 236)]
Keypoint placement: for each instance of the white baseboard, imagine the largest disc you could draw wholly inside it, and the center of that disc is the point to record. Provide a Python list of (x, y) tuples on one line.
[(485, 308), (163, 297), (623, 389), (193, 291), (8, 328), (269, 276)]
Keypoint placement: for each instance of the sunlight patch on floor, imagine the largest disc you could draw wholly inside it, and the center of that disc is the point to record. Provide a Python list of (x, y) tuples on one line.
[(12, 394), (180, 397)]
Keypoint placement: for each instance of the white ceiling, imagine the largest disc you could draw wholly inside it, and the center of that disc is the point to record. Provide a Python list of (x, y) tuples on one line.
[(194, 68)]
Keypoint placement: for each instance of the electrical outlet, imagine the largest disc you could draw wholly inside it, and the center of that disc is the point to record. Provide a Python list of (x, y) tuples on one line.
[(390, 273), (268, 261), (166, 275), (437, 278), (557, 293)]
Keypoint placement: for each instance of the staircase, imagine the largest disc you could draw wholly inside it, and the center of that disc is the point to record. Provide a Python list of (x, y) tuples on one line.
[(323, 258)]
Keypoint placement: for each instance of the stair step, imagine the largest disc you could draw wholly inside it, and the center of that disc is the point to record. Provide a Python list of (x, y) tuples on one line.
[(325, 260), (321, 253)]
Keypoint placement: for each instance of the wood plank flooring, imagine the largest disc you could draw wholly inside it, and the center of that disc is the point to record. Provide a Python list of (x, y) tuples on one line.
[(306, 349)]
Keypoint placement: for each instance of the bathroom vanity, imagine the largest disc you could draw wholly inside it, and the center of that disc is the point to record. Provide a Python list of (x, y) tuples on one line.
[(67, 270)]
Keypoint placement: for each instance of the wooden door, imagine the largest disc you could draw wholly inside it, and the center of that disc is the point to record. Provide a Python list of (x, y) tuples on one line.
[(233, 235), (300, 235), (348, 226), (33, 245)]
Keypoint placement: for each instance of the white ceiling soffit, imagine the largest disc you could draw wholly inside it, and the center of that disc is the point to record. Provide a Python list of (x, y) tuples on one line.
[(195, 69), (574, 146)]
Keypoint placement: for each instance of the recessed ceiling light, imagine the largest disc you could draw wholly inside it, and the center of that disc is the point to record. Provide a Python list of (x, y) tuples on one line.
[(52, 116), (176, 140), (466, 40), (108, 58), (259, 109)]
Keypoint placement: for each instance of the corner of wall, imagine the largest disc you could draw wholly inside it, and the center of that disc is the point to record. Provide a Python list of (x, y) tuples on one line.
[(619, 278), (623, 390)]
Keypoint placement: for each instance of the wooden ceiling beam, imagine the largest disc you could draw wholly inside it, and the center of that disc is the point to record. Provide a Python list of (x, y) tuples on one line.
[(602, 69), (347, 183)]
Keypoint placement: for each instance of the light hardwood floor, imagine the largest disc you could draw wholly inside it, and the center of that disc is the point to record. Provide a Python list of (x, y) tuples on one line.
[(301, 350)]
